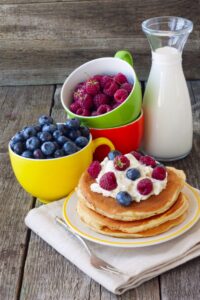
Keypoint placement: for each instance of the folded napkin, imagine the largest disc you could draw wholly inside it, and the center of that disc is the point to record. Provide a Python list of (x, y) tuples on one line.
[(140, 264)]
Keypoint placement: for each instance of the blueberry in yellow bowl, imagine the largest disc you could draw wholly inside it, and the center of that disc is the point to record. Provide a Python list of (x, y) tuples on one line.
[(48, 158)]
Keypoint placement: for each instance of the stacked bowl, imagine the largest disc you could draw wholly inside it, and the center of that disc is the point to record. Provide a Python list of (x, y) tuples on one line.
[(123, 125)]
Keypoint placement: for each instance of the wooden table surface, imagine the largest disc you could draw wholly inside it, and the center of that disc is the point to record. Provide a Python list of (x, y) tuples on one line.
[(32, 270)]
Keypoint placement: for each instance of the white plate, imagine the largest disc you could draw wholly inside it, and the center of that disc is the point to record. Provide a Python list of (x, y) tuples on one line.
[(72, 219)]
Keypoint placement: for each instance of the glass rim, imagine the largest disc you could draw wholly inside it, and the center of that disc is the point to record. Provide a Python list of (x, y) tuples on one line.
[(146, 28)]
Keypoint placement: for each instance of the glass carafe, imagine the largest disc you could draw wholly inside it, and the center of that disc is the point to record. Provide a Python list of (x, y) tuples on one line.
[(166, 104)]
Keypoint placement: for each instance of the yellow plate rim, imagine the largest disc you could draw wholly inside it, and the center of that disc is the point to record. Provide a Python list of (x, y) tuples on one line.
[(144, 243)]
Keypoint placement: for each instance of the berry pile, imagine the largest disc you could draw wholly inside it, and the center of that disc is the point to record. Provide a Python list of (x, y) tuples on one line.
[(144, 186), (100, 94), (50, 140)]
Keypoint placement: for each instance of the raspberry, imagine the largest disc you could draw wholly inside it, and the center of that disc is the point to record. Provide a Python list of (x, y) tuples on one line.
[(110, 88), (100, 99), (136, 154), (105, 79), (148, 161), (78, 94), (127, 86), (121, 162), (104, 108), (108, 181), (74, 106), (86, 102), (159, 173), (145, 186), (115, 105), (80, 85), (98, 77), (94, 169), (83, 112), (120, 78), (120, 95), (94, 113), (92, 86)]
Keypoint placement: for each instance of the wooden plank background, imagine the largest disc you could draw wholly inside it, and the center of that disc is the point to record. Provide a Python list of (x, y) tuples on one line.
[(42, 41)]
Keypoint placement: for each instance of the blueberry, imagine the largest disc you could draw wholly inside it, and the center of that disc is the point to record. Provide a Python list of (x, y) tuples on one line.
[(32, 143), (38, 154), (27, 154), (45, 120), (113, 154), (38, 128), (18, 137), (81, 141), (63, 128), (57, 146), (57, 133), (44, 136), (62, 139), (29, 132), (59, 153), (18, 148), (84, 131), (49, 128), (73, 123), (133, 174), (70, 147), (48, 148), (73, 134), (124, 198)]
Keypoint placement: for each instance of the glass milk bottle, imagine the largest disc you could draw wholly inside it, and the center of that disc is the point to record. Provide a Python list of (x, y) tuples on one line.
[(167, 108)]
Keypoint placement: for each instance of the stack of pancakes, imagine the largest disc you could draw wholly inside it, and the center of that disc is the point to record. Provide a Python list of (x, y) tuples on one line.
[(149, 217)]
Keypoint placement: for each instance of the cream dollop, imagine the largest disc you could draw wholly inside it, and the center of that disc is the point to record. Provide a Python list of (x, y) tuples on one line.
[(125, 184)]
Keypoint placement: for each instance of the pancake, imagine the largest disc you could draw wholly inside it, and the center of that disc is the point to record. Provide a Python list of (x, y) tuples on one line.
[(147, 233), (99, 222), (108, 206)]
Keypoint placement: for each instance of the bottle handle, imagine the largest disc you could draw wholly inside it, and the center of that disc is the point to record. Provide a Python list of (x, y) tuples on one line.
[(125, 55)]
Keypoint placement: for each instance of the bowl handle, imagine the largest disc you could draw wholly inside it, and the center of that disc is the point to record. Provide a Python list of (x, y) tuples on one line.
[(102, 141), (125, 55)]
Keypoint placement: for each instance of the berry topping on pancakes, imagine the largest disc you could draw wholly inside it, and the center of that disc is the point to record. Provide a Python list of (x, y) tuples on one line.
[(113, 154), (148, 161), (108, 181), (145, 186), (133, 174), (94, 169), (121, 162), (136, 154), (129, 173), (159, 173), (124, 198)]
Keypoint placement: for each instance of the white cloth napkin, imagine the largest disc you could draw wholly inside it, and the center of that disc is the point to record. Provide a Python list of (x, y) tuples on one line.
[(141, 264)]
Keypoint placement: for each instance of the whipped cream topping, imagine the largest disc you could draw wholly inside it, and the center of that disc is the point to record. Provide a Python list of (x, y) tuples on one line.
[(125, 184)]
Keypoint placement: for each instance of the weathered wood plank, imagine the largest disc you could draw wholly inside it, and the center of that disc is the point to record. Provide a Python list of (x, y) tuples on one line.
[(48, 275), (44, 42), (183, 282), (19, 106)]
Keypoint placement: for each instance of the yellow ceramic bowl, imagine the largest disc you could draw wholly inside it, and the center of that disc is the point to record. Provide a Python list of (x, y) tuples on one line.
[(52, 179)]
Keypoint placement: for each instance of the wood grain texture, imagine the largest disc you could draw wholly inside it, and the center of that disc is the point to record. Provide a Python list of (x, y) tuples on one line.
[(183, 282), (43, 42), (19, 106)]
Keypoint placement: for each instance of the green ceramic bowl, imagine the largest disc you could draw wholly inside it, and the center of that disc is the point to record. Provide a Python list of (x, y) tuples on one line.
[(123, 114)]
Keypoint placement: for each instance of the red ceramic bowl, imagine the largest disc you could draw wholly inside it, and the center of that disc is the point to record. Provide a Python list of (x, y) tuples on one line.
[(125, 138)]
